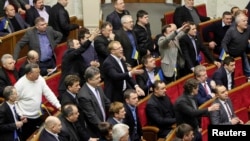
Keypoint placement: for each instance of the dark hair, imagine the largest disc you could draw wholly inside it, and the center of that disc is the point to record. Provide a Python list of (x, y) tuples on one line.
[(235, 7), (69, 80), (182, 130), (189, 85), (82, 32), (226, 13), (104, 128), (105, 24), (227, 60), (90, 72), (28, 68), (163, 29), (7, 92), (216, 89), (141, 13), (190, 23), (128, 92), (145, 58), (67, 110), (156, 84)]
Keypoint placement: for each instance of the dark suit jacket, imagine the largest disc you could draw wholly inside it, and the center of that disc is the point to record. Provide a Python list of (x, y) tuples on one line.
[(89, 107), (186, 113), (7, 123), (5, 80), (32, 14), (122, 37), (218, 34), (66, 97), (10, 28), (101, 47), (31, 38), (46, 136), (59, 20), (115, 20), (220, 77), (160, 113), (143, 79), (202, 95), (182, 14), (72, 63), (21, 71), (2, 3), (220, 116), (72, 131), (129, 120), (189, 51), (112, 121), (114, 77)]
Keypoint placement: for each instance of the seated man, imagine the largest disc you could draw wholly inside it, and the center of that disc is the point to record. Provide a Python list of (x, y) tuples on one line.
[(12, 21), (186, 13), (219, 30), (116, 113), (105, 129), (159, 110), (225, 74), (8, 73), (184, 132), (225, 115), (147, 78), (52, 126), (32, 57), (206, 85), (120, 132)]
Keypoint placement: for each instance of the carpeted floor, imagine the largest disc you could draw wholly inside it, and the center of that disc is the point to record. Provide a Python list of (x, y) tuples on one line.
[(155, 10)]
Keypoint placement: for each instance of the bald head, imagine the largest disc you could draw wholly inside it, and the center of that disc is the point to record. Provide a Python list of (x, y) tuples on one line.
[(32, 56), (53, 124), (10, 11)]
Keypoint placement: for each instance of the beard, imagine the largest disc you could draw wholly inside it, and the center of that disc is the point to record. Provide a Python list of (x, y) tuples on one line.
[(41, 7)]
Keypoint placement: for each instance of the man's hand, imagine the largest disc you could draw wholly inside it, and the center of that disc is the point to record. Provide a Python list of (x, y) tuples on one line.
[(212, 44), (136, 71), (21, 11), (214, 107), (112, 36), (27, 6), (95, 63), (95, 33), (19, 124), (139, 91), (218, 64)]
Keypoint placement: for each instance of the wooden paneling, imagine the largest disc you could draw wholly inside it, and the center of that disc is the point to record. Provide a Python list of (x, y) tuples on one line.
[(131, 1), (152, 1)]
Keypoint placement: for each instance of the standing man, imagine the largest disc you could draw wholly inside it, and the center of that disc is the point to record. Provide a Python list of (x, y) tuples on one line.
[(30, 89), (187, 13), (59, 19), (8, 73), (116, 76), (131, 116), (115, 17), (93, 102), (236, 41), (225, 74), (10, 122), (159, 110), (43, 39), (38, 10), (226, 114)]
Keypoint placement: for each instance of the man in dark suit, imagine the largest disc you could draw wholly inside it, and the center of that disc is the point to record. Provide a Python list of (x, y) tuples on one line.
[(186, 109), (206, 85), (116, 113), (43, 39), (159, 109), (191, 45), (71, 128), (34, 12), (72, 62), (92, 101), (115, 17), (8, 73), (12, 2), (116, 76), (12, 21), (218, 29), (102, 41), (52, 126), (127, 38), (147, 78), (32, 57), (187, 13), (225, 74), (59, 19), (10, 122), (131, 116), (225, 115)]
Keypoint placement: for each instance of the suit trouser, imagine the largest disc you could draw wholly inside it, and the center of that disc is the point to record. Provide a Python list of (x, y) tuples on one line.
[(30, 127)]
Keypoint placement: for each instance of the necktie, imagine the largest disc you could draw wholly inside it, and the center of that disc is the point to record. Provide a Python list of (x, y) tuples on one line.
[(229, 112), (195, 49), (16, 138), (135, 119), (205, 87), (100, 104)]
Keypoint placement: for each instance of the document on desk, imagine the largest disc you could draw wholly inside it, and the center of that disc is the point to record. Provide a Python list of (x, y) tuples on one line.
[(52, 71)]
